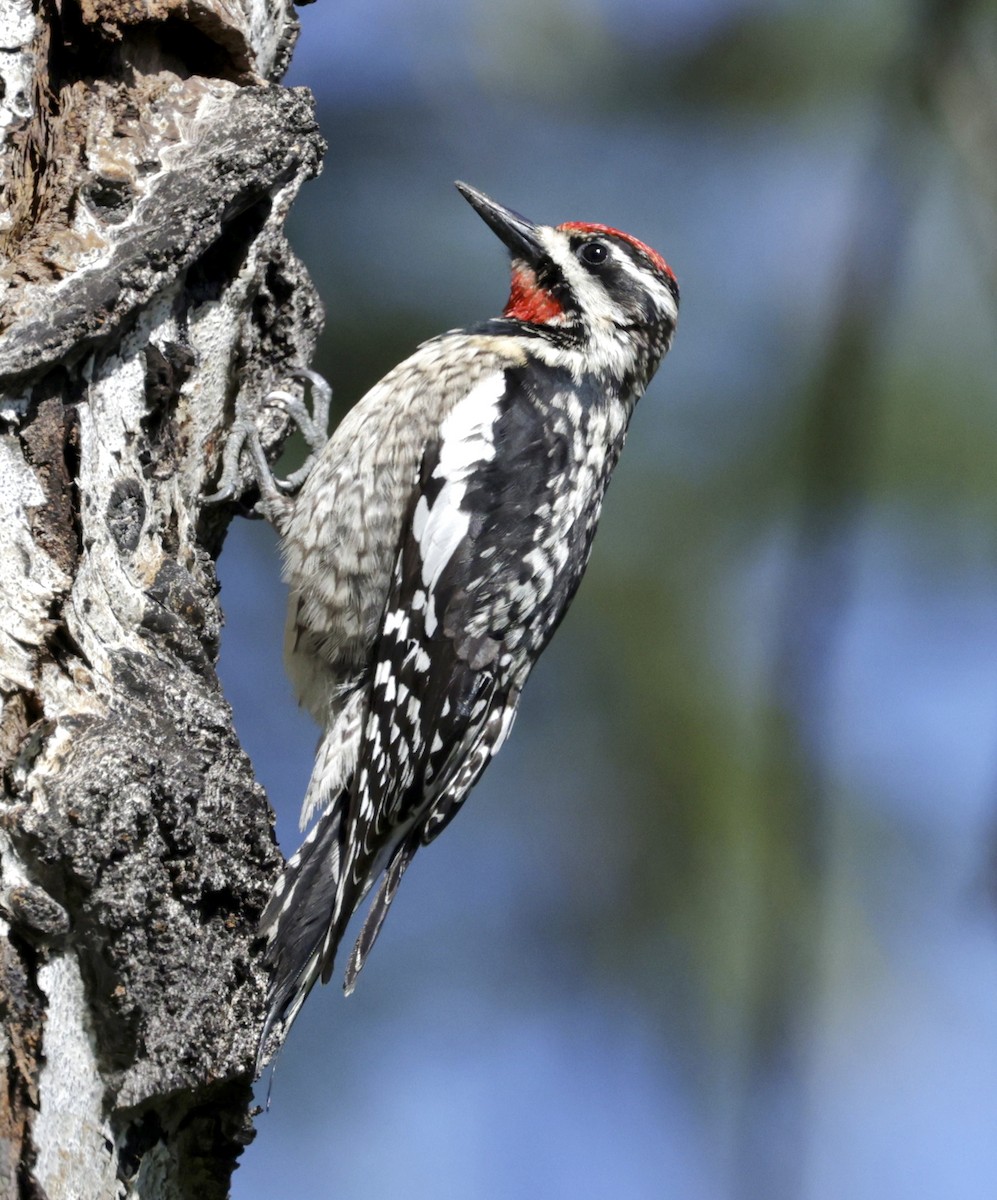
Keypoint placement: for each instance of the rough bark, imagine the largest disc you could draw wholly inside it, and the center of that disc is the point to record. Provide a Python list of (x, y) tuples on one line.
[(147, 294)]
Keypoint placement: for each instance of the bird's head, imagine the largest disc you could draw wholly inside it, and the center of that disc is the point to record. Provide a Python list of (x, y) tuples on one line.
[(587, 285)]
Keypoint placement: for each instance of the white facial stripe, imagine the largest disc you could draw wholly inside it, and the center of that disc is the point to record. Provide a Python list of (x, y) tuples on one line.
[(591, 294)]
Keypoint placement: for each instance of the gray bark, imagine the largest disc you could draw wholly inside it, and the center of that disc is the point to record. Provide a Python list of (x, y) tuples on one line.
[(147, 296)]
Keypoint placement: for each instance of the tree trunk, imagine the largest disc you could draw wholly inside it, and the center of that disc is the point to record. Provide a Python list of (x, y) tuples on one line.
[(147, 295)]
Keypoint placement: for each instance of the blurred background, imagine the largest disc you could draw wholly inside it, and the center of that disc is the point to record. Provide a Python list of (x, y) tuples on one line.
[(719, 923)]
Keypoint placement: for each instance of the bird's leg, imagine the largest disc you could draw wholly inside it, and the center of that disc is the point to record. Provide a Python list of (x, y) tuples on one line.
[(275, 494), (314, 425)]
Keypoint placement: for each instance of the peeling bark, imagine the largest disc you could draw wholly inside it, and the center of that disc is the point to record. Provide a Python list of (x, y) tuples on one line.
[(147, 296)]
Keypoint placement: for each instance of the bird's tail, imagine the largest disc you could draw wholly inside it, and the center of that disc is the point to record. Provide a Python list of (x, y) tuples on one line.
[(303, 923), (378, 911)]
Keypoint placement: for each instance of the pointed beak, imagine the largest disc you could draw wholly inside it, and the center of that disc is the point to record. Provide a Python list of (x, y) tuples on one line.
[(518, 234)]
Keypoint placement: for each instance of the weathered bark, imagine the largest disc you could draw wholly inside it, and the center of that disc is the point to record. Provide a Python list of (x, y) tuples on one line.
[(146, 292)]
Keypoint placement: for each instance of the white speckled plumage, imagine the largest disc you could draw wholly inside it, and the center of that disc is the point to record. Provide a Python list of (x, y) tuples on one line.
[(431, 553)]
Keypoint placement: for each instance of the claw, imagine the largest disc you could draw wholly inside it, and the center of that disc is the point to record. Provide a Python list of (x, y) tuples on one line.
[(316, 428), (244, 434), (275, 494)]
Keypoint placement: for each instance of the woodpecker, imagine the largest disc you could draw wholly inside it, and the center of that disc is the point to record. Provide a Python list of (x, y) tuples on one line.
[(431, 552)]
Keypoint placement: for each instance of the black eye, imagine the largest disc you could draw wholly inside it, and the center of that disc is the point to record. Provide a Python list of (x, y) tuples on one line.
[(593, 253)]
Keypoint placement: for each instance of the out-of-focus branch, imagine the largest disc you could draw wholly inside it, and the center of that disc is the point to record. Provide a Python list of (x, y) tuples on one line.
[(964, 94)]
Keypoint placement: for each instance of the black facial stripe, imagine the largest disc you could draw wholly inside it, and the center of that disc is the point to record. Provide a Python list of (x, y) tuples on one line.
[(620, 285), (551, 278), (621, 246)]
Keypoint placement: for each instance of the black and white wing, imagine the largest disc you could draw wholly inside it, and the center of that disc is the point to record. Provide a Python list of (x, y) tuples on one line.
[(493, 547), (490, 558)]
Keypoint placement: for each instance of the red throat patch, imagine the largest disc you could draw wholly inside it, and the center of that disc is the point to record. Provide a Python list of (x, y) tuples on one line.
[(528, 301)]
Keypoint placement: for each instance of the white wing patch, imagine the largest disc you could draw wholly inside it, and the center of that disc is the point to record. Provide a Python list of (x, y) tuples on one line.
[(444, 528), (466, 439)]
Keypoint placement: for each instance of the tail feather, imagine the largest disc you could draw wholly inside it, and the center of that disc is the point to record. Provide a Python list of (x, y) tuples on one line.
[(378, 911), (303, 922)]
